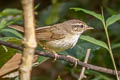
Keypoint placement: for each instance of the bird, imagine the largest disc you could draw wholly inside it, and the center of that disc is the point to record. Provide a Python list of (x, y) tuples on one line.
[(58, 37)]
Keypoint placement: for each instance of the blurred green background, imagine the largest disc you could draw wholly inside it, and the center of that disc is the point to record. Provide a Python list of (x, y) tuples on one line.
[(48, 12)]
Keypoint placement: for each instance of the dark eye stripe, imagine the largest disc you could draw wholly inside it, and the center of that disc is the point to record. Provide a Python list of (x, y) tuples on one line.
[(78, 26)]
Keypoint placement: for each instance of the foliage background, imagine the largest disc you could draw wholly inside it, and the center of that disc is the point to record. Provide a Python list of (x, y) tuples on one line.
[(48, 12)]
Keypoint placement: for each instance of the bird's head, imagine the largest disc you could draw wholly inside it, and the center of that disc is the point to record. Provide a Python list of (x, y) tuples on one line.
[(77, 26)]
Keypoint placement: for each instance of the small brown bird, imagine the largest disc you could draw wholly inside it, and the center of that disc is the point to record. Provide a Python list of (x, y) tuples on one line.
[(59, 37)]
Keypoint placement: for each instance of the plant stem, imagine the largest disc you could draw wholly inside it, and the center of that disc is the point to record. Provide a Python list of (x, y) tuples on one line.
[(110, 49)]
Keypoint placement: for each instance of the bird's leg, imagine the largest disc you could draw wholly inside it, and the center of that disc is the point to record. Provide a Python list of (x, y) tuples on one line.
[(74, 59), (56, 55), (51, 51)]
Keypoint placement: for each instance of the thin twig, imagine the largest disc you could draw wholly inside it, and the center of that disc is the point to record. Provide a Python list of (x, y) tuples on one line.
[(63, 57), (83, 68)]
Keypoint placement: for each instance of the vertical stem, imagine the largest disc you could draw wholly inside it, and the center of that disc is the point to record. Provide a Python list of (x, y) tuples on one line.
[(83, 68), (110, 49), (29, 40)]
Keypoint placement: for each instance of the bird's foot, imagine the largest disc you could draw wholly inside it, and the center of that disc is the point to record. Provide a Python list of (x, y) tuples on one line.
[(74, 60), (51, 51), (55, 54)]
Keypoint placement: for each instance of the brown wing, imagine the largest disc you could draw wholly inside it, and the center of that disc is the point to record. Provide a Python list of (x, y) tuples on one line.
[(49, 33)]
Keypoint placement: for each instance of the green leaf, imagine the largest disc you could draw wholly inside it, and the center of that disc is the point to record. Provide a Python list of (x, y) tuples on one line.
[(13, 32), (5, 55), (37, 6), (98, 16), (3, 24), (59, 78), (42, 59), (7, 38), (10, 11), (111, 11), (117, 45), (54, 12), (98, 75), (94, 41), (112, 19)]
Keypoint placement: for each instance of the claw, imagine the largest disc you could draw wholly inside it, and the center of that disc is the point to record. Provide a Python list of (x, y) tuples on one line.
[(74, 59)]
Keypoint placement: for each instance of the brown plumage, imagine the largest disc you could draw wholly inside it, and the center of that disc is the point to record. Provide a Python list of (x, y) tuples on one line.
[(59, 37)]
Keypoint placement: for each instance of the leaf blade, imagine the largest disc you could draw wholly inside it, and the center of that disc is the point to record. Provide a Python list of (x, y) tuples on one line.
[(94, 41), (3, 24), (13, 32), (98, 16), (10, 11), (112, 19)]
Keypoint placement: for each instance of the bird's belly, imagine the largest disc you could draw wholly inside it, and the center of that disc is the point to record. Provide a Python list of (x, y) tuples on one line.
[(62, 44)]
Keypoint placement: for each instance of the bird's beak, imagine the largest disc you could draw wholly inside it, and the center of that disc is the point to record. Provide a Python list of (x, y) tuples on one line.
[(87, 28)]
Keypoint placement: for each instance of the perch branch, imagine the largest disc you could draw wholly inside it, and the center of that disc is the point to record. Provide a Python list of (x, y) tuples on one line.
[(63, 57)]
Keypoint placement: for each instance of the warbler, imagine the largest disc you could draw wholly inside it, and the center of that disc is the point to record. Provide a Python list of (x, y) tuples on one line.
[(59, 37)]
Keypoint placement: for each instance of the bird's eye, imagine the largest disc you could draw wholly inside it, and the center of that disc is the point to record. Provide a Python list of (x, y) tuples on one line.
[(81, 26)]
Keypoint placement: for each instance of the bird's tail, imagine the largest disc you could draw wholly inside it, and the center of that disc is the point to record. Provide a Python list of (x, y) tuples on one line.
[(16, 27)]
